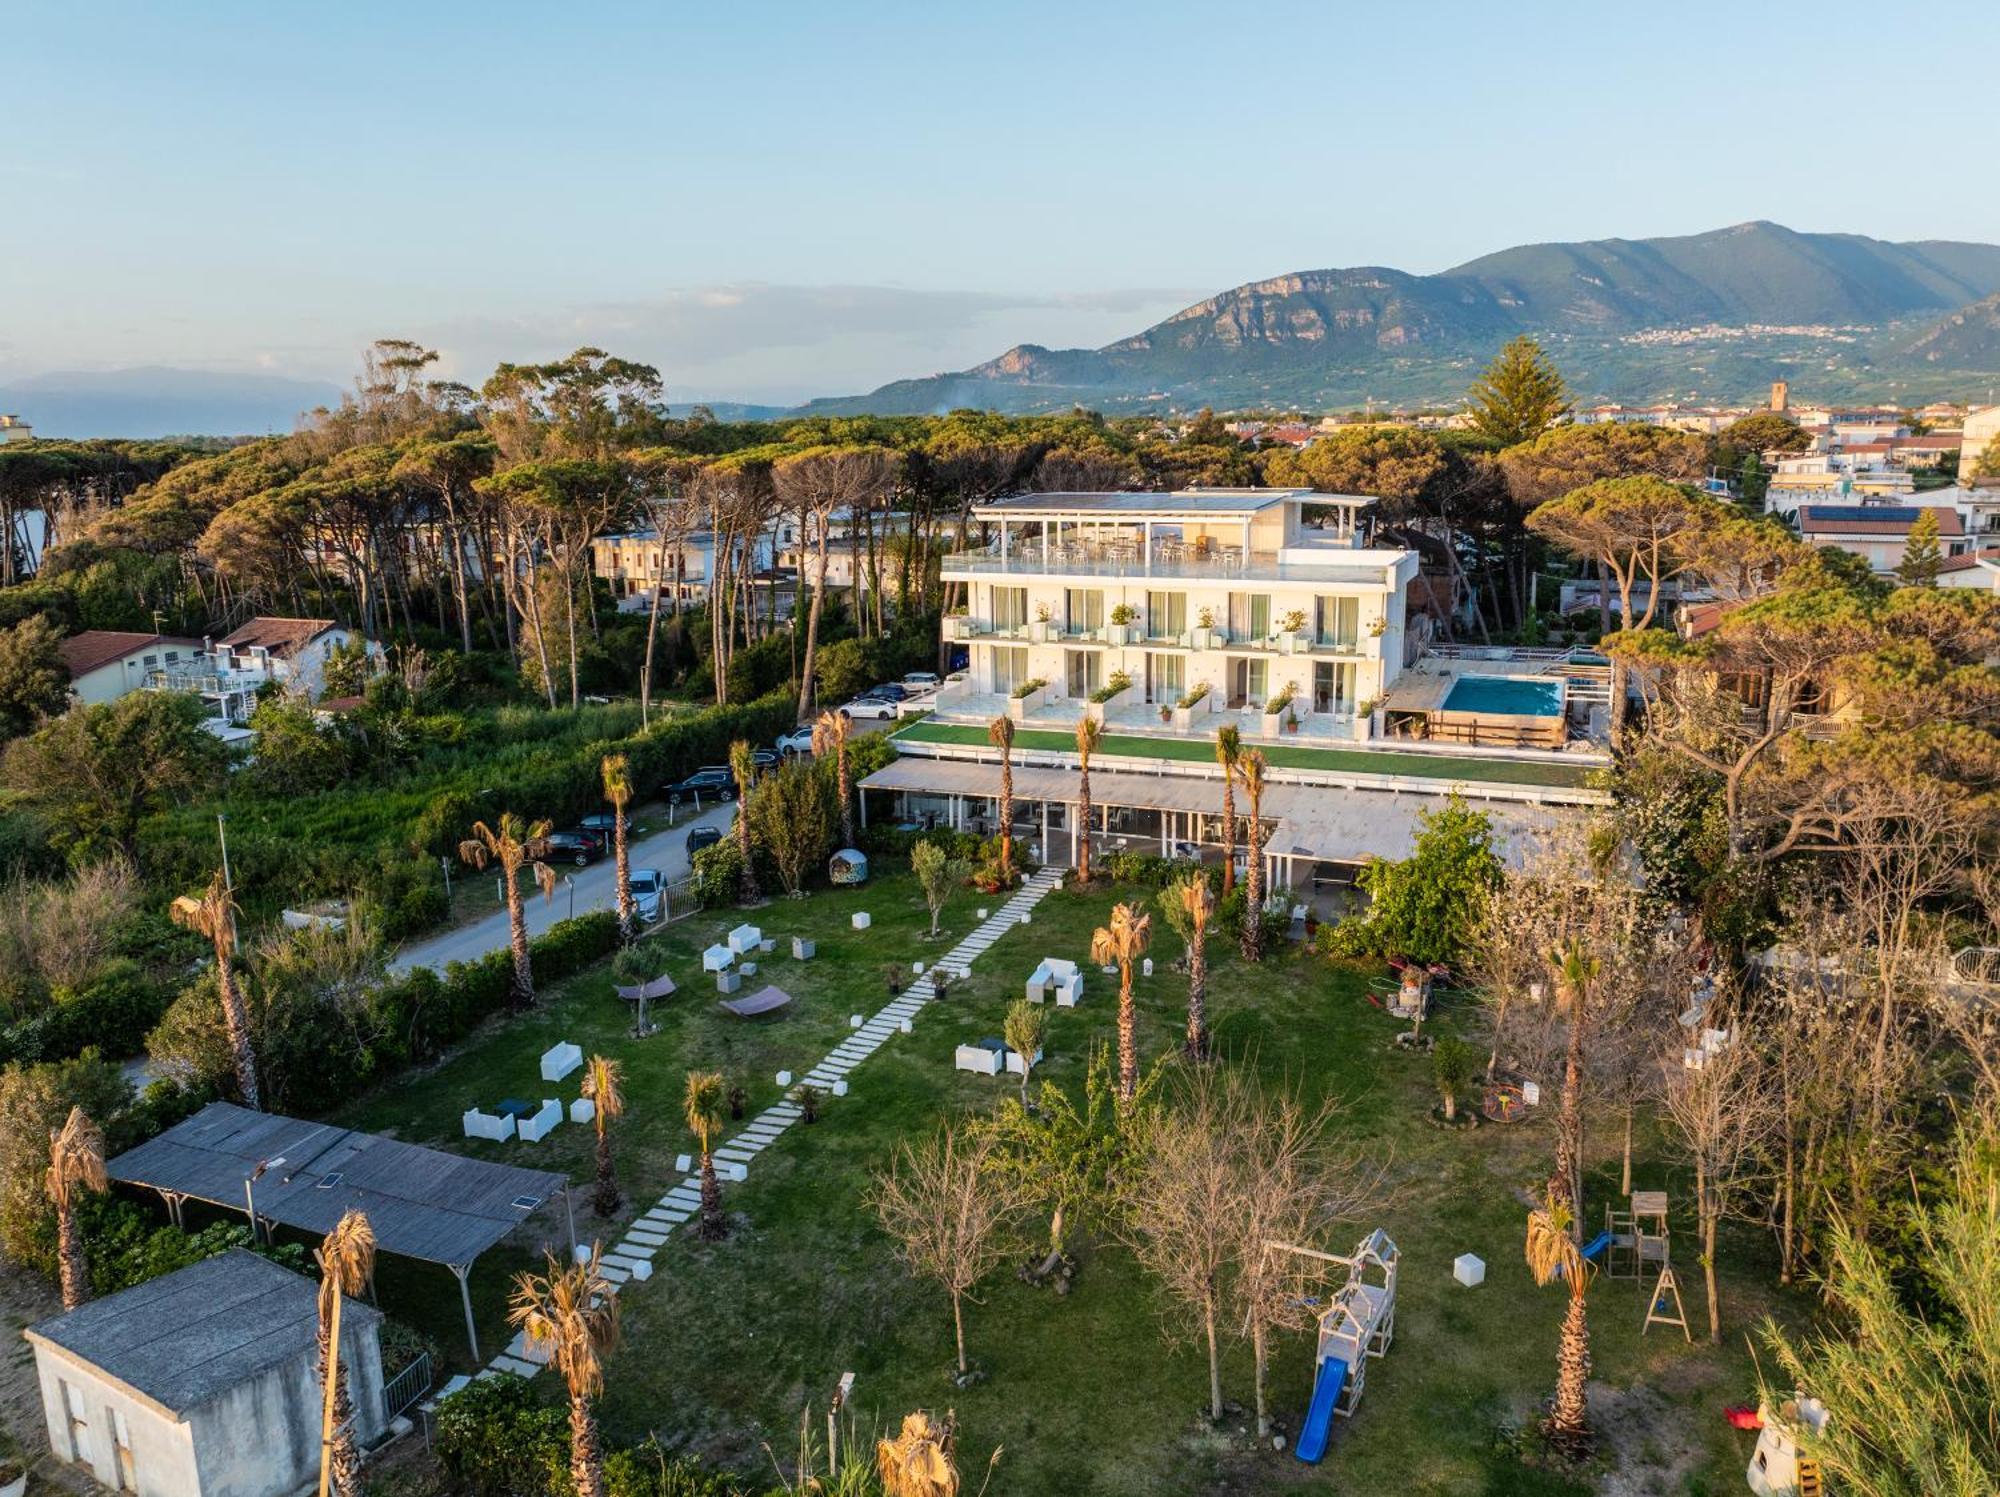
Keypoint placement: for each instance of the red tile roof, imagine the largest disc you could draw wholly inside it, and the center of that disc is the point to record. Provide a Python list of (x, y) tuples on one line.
[(1967, 560), (280, 636), (86, 652)]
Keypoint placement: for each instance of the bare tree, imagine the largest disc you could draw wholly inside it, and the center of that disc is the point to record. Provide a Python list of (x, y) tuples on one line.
[(816, 485), (950, 1213)]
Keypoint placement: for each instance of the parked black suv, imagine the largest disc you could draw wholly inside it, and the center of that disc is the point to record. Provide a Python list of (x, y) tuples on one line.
[(702, 836), (714, 781), (572, 847)]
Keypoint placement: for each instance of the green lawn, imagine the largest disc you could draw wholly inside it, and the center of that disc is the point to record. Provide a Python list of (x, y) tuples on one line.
[(727, 1344), (1279, 756)]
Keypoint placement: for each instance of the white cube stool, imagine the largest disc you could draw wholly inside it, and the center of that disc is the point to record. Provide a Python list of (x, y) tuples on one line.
[(861, 920), (582, 1252), (1027, 918), (642, 1269), (784, 1078), (918, 968), (908, 1028), (855, 1021), (1531, 1093), (840, 1087), (1469, 1270), (684, 1164), (1146, 967), (980, 913)]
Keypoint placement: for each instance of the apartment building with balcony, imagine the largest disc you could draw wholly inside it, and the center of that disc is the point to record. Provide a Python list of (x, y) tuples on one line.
[(1165, 617)]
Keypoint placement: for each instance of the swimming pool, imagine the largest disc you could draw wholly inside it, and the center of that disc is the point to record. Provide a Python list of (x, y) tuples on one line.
[(1509, 696)]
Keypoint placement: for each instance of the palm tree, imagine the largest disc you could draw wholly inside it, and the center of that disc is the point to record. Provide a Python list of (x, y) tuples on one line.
[(1228, 749), (1000, 733), (918, 1461), (1552, 1254), (603, 1083), (617, 772), (703, 1106), (1089, 734), (1026, 1028), (570, 1313), (346, 1263), (744, 767), (214, 915), (76, 1163), (512, 844), (1123, 942), (831, 730), (1576, 970), (1197, 903), (1250, 769)]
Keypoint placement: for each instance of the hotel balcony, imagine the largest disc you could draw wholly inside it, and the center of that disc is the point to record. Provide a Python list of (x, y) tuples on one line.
[(1323, 564), (967, 630)]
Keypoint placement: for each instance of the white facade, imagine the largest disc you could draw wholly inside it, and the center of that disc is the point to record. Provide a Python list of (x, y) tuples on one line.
[(131, 669), (1208, 600), (635, 562)]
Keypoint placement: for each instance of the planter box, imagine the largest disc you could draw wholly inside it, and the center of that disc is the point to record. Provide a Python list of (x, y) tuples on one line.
[(1019, 708), (1044, 631), (1294, 644), (1095, 710), (1186, 717), (1271, 724), (958, 627), (1204, 639), (1120, 634)]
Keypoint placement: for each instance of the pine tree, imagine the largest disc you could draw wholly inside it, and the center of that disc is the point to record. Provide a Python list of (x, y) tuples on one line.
[(1923, 557), (1520, 396)]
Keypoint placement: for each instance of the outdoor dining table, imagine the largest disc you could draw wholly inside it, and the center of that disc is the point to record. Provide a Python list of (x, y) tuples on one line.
[(514, 1107)]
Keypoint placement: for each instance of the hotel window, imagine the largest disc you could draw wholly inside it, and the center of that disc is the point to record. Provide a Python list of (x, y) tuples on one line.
[(1010, 668), (1337, 622), (1083, 610), (1010, 609), (1166, 615), (1249, 617), (1165, 678)]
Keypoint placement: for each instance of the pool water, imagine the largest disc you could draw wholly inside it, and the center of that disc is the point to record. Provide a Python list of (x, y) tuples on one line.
[(1512, 696)]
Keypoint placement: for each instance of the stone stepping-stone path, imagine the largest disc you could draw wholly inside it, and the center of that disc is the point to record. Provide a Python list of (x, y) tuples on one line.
[(632, 1258)]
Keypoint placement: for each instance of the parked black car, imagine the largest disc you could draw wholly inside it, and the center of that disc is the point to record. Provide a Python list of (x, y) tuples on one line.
[(572, 847), (703, 836), (713, 780)]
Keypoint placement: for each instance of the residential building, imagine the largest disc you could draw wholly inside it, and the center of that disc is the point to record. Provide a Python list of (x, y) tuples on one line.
[(229, 672), (1977, 439), (1877, 532), (635, 562), (1165, 617), (1977, 569), (203, 1382), (14, 429), (105, 664)]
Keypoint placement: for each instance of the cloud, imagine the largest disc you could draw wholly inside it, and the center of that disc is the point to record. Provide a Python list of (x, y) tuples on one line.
[(785, 343)]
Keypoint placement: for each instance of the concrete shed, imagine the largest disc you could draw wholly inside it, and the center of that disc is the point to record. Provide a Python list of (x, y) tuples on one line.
[(202, 1383)]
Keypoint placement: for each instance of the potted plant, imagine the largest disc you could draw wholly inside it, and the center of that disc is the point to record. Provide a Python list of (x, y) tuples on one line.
[(1193, 700), (1026, 697), (1364, 718), (1454, 1067), (1377, 627), (1204, 635), (1292, 720), (1044, 629), (737, 1099), (1107, 696), (1123, 617), (1291, 633), (1166, 712), (1275, 710), (808, 1100)]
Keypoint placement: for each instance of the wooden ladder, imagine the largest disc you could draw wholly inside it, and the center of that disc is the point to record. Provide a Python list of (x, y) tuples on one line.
[(1810, 1484)]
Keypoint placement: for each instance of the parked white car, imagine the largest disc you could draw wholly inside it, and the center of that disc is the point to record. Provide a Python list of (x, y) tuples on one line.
[(649, 887), (881, 709), (798, 741)]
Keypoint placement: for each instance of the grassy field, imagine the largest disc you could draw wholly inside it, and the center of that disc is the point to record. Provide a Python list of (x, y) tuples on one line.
[(728, 1344), (1278, 755)]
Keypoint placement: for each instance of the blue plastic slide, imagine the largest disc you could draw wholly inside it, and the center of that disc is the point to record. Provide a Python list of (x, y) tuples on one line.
[(1332, 1377), (1597, 1245)]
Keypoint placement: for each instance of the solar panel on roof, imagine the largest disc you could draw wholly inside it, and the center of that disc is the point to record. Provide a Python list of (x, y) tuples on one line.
[(1863, 512), (526, 1203)]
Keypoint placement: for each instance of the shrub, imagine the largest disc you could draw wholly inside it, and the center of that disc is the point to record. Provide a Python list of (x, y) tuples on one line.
[(1150, 869), (498, 1439), (1423, 906), (403, 898), (718, 874)]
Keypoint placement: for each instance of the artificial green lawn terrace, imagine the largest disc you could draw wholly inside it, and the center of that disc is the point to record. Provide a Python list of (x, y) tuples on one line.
[(1278, 756), (727, 1344)]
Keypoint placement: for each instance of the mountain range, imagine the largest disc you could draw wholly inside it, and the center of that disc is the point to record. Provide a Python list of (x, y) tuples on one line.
[(1706, 317)]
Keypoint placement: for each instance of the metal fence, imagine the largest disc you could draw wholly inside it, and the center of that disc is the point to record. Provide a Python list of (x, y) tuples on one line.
[(407, 1386)]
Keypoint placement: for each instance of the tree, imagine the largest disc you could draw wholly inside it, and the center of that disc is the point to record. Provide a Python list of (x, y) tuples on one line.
[(1026, 1029), (939, 874), (817, 485), (36, 1099), (1195, 902), (569, 1313), (1250, 770), (744, 768), (1634, 528), (1454, 1064), (513, 844), (1570, 457), (1425, 907), (346, 1258), (1124, 941), (1228, 753), (1723, 1113), (1000, 733), (1089, 734), (1911, 1393), (1552, 1253), (831, 732), (617, 772), (949, 1213), (789, 812), (1520, 395), (702, 1106), (97, 772), (1763, 431), (1923, 556), (604, 1085), (34, 682), (76, 1164), (214, 915)]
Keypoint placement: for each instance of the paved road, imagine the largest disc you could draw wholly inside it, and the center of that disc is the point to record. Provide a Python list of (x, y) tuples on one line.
[(665, 850)]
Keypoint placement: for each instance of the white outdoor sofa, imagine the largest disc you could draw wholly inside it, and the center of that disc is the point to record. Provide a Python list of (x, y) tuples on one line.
[(717, 958), (1014, 1061), (533, 1130), (495, 1126), (987, 1058), (1056, 978), (559, 1060), (745, 939)]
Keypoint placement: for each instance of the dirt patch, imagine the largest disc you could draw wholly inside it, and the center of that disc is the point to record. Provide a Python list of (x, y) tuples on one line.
[(1648, 1442), (24, 1299)]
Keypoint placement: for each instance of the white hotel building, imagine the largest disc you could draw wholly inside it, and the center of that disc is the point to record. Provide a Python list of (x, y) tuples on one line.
[(1166, 616)]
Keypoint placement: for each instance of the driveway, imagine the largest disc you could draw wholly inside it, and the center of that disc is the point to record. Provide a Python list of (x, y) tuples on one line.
[(596, 889)]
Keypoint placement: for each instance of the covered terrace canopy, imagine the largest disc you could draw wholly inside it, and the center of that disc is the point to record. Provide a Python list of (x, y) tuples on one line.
[(423, 1203)]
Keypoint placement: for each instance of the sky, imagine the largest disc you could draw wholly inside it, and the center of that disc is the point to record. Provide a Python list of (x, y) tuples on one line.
[(773, 201)]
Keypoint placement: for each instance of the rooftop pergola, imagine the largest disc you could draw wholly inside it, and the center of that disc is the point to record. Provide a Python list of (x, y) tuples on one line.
[(422, 1203)]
